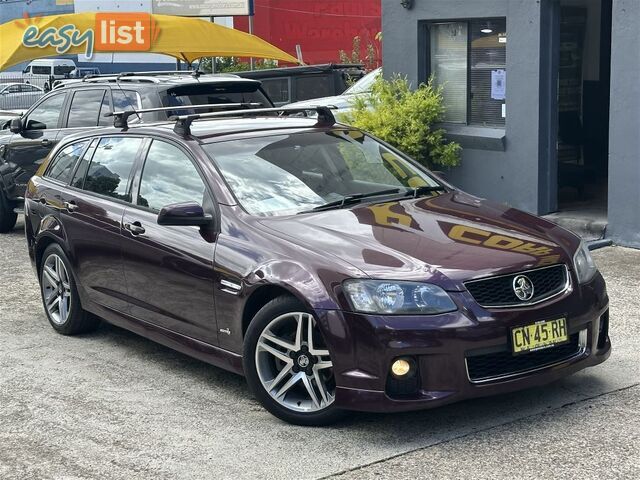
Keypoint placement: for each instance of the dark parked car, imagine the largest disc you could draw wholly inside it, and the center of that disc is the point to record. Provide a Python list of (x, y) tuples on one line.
[(328, 268), (78, 105), (294, 84)]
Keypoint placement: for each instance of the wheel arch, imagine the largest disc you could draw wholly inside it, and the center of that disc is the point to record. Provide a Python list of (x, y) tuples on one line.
[(50, 231), (263, 295)]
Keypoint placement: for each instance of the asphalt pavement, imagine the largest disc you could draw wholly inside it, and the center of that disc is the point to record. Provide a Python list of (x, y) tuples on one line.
[(112, 405)]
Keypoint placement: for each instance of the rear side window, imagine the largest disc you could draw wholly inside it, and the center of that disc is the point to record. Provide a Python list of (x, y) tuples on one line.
[(278, 90), (314, 86), (65, 161), (110, 170), (63, 69), (86, 107), (169, 177)]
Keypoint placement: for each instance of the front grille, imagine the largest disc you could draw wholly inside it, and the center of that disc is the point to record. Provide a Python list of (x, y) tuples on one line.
[(499, 364), (498, 291)]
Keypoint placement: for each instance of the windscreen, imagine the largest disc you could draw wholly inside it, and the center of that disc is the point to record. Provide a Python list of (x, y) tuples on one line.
[(287, 174), (364, 84), (206, 93)]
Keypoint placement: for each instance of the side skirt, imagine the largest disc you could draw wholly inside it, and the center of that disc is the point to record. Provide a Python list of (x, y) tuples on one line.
[(189, 346)]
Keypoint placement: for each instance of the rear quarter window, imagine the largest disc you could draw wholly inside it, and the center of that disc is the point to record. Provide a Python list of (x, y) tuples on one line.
[(63, 164)]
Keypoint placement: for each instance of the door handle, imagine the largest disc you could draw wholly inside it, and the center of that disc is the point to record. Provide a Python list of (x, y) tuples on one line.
[(135, 228), (71, 206), (45, 142)]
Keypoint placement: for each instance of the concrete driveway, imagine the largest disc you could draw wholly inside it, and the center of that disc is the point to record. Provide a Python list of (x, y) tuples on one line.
[(114, 405)]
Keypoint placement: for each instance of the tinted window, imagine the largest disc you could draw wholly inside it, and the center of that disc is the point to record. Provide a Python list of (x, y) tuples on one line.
[(48, 111), (212, 93), (111, 167), (314, 86), (169, 177), (85, 108), (14, 89), (277, 89), (62, 166), (63, 69), (39, 70)]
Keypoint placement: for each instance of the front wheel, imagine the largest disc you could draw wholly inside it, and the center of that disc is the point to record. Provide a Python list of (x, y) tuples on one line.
[(288, 366)]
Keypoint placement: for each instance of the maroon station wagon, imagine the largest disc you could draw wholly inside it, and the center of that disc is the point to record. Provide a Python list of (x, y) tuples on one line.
[(325, 266)]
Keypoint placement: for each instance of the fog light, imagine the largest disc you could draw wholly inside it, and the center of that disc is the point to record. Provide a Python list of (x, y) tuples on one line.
[(400, 367)]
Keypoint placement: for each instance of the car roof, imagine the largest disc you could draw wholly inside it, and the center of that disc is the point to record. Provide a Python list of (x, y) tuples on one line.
[(51, 61), (159, 81)]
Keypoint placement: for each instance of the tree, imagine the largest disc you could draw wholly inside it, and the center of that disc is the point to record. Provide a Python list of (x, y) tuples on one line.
[(370, 61), (406, 119), (232, 64)]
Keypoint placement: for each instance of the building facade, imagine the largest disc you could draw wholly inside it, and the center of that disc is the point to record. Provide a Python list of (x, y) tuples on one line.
[(542, 95)]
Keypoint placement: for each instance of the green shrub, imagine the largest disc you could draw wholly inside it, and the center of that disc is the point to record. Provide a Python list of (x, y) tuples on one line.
[(405, 118)]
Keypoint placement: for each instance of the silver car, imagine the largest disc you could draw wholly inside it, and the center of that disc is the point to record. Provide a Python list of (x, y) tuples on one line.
[(343, 103), (18, 96)]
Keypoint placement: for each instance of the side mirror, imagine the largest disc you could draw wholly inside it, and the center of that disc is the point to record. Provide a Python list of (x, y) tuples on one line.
[(34, 125), (16, 125), (184, 214)]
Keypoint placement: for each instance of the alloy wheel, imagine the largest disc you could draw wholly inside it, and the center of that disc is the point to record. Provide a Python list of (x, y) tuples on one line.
[(56, 289), (293, 364)]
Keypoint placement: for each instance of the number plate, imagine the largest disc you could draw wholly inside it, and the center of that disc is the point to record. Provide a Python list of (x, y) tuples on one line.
[(539, 335)]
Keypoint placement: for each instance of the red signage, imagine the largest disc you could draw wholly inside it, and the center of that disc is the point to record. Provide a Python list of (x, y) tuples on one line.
[(321, 28)]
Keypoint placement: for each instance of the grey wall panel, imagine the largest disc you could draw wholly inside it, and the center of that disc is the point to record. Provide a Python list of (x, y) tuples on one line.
[(624, 127)]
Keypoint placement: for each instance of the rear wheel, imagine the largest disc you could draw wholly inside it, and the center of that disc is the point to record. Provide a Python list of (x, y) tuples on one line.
[(288, 366), (8, 217), (60, 295)]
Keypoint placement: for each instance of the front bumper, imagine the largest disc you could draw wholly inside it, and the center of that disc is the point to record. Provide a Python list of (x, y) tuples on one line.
[(364, 346)]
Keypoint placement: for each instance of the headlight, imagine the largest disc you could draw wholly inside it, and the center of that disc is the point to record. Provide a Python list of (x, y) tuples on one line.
[(584, 264), (399, 298)]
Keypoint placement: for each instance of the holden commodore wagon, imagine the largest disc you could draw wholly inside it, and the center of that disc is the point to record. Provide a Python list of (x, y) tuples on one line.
[(329, 269)]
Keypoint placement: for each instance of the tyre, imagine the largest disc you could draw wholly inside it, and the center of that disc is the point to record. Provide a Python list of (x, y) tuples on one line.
[(288, 366), (60, 295), (8, 217)]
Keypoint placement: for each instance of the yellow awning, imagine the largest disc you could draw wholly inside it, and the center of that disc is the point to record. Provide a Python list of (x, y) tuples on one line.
[(184, 38)]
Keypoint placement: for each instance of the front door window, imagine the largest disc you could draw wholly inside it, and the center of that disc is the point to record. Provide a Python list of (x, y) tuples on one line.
[(46, 114)]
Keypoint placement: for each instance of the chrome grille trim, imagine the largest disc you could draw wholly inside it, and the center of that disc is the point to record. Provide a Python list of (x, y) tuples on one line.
[(566, 287)]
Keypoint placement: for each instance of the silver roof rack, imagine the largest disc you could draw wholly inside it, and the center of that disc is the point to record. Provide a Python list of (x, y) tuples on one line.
[(183, 122), (120, 119)]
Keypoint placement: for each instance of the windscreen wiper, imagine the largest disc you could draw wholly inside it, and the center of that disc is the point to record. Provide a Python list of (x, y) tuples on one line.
[(351, 199)]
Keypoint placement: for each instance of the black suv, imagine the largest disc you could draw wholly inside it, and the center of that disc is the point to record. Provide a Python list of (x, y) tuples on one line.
[(74, 106)]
